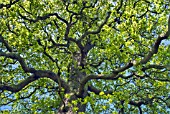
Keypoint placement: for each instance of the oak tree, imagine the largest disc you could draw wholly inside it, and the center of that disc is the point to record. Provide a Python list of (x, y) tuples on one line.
[(85, 56)]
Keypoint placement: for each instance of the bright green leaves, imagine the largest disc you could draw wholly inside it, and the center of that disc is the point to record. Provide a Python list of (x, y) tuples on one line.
[(107, 102), (45, 105)]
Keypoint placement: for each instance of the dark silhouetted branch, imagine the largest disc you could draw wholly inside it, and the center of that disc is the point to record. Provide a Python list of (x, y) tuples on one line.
[(8, 5), (9, 48), (155, 48), (20, 59), (38, 74), (43, 17), (99, 28)]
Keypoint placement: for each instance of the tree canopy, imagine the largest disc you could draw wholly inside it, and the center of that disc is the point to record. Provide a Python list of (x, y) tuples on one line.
[(85, 56)]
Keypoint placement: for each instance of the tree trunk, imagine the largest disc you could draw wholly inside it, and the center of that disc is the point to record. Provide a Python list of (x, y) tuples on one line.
[(74, 83)]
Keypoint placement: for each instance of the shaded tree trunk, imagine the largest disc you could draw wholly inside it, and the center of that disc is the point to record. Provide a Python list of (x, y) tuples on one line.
[(74, 83)]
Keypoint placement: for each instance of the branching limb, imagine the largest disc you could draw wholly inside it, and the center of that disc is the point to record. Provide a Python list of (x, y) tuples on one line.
[(99, 28), (131, 102), (9, 48), (15, 56), (90, 77), (20, 59), (153, 66), (8, 5), (140, 110), (97, 91), (141, 102), (29, 95), (129, 65), (155, 48), (43, 17), (100, 76), (113, 76), (38, 74)]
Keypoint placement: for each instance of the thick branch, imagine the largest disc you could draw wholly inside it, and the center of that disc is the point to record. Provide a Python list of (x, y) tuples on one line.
[(20, 59), (112, 76), (137, 103), (5, 43), (156, 45), (90, 77), (18, 87), (38, 74), (97, 91), (129, 65)]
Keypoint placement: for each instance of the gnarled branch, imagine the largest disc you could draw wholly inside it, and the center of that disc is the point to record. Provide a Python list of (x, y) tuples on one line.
[(20, 59), (38, 74), (8, 5), (9, 48), (99, 28), (155, 48)]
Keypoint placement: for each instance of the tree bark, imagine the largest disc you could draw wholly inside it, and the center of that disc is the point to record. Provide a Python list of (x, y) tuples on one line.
[(76, 75)]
